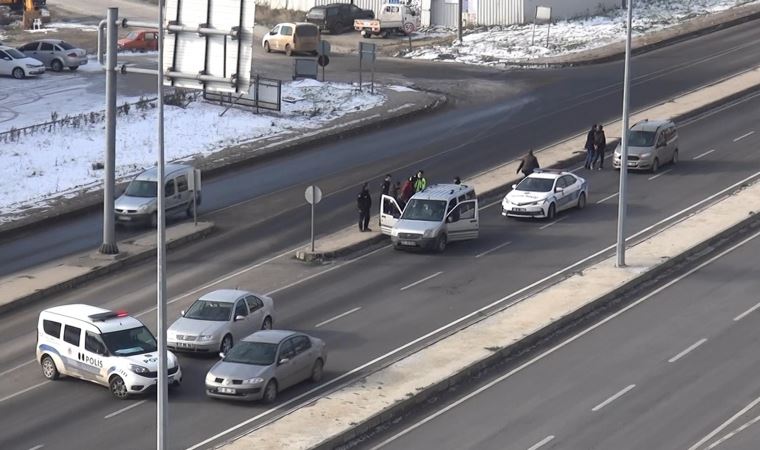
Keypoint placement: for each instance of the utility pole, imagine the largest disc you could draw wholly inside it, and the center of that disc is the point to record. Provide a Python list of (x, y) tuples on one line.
[(623, 197), (163, 373), (461, 8), (109, 247)]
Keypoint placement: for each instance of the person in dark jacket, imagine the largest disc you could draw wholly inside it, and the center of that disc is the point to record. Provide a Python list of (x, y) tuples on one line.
[(528, 164), (457, 180), (364, 203), (590, 148), (387, 184), (600, 145)]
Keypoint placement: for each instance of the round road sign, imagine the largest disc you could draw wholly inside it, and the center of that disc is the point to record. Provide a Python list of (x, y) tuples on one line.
[(313, 195), (323, 60)]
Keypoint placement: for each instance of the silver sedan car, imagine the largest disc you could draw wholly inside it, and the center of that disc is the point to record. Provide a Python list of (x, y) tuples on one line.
[(265, 363), (219, 319), (56, 54)]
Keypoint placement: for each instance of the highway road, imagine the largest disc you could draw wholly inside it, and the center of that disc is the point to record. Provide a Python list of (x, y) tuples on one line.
[(369, 309), (675, 370), (535, 109)]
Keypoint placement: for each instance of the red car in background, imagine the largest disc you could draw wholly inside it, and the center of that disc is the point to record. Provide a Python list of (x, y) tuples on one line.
[(139, 41)]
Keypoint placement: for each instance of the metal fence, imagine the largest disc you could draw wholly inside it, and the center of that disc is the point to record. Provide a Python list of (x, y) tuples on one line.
[(266, 93)]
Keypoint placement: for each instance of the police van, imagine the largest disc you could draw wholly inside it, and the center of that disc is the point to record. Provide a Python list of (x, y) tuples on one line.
[(105, 347), (433, 217)]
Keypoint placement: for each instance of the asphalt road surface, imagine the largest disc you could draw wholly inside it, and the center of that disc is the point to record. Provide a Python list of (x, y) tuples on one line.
[(536, 109), (368, 310), (677, 370)]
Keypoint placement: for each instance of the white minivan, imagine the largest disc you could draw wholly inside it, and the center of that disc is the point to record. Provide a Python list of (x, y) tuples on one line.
[(106, 347), (433, 217)]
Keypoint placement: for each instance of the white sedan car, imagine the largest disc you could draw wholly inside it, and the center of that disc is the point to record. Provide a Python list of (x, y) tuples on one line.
[(544, 193), (17, 64)]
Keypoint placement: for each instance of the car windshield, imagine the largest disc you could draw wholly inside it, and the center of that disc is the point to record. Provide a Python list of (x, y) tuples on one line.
[(429, 210), (133, 35), (66, 45), (15, 54), (640, 138), (141, 188), (316, 13), (255, 353), (208, 310), (134, 341), (532, 184)]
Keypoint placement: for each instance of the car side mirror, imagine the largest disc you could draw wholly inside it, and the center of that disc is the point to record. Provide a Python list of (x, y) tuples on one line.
[(283, 360), (221, 355), (272, 32), (449, 219), (237, 318), (559, 189), (182, 313), (514, 186)]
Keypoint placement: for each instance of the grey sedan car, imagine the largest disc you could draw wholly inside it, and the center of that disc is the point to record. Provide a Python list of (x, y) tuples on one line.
[(56, 54), (265, 363), (219, 319)]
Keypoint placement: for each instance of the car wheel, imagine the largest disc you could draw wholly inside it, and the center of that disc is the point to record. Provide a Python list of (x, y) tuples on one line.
[(266, 47), (440, 243), (226, 344), (270, 392), (674, 161), (655, 165), (366, 34), (154, 220), (317, 371), (49, 370), (18, 73), (288, 50), (582, 201), (56, 65), (552, 212), (73, 68), (118, 388), (267, 325), (385, 34)]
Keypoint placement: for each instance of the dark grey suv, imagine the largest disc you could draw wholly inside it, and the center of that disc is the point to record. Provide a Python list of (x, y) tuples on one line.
[(337, 17)]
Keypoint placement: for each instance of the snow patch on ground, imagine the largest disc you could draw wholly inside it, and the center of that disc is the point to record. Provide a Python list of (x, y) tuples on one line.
[(401, 88), (47, 165), (503, 45), (55, 26)]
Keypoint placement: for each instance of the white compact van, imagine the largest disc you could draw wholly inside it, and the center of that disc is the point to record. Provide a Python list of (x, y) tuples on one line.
[(102, 346), (139, 202), (439, 214)]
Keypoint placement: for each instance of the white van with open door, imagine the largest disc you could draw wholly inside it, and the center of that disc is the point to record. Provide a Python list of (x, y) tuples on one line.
[(433, 217)]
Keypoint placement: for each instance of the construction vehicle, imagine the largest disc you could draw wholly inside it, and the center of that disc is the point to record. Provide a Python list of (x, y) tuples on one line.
[(30, 10)]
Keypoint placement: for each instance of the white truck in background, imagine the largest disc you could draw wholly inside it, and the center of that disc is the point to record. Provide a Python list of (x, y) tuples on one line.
[(394, 18)]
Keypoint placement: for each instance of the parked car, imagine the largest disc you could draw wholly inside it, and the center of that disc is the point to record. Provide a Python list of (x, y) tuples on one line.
[(337, 17), (292, 38), (265, 363), (17, 64), (651, 143), (55, 54), (217, 320), (394, 18), (544, 193), (139, 41)]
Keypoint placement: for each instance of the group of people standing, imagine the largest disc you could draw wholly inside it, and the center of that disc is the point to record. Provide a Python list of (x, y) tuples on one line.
[(596, 144), (401, 193)]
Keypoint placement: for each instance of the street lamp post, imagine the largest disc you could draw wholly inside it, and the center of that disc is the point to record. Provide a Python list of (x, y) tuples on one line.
[(623, 197), (109, 246)]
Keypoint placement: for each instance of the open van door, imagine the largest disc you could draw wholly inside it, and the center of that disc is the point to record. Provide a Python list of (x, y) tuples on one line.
[(389, 214), (463, 222)]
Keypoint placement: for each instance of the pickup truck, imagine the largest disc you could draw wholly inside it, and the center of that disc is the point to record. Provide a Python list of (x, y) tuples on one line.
[(393, 18)]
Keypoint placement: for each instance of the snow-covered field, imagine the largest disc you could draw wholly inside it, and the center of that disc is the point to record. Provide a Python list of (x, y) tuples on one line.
[(45, 165), (510, 44)]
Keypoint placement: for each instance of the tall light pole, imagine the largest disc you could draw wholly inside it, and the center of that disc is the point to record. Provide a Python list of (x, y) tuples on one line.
[(163, 374), (109, 247), (460, 14), (623, 197)]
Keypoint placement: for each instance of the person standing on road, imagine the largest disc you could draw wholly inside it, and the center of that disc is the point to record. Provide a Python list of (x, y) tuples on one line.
[(528, 164), (457, 180), (386, 189), (600, 145), (421, 182), (364, 203), (387, 184), (407, 190), (590, 146)]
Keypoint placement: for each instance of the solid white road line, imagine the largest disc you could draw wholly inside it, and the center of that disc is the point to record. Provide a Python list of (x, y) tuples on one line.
[(613, 398), (133, 405), (722, 426), (420, 281), (607, 198), (687, 350), (493, 249), (37, 447), (497, 202), (541, 443), (23, 391), (654, 177), (746, 313), (558, 346), (734, 433), (350, 311), (704, 154), (5, 372), (491, 305), (552, 223), (744, 136)]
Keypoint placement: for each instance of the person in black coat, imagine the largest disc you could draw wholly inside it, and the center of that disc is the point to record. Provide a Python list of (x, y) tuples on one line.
[(528, 164), (590, 149), (600, 145), (364, 203)]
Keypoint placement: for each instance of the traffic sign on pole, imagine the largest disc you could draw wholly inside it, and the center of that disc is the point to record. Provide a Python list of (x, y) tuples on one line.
[(313, 195)]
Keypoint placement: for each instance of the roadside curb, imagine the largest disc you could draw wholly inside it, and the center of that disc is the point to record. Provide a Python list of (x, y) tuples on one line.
[(119, 261), (699, 251), (214, 169)]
